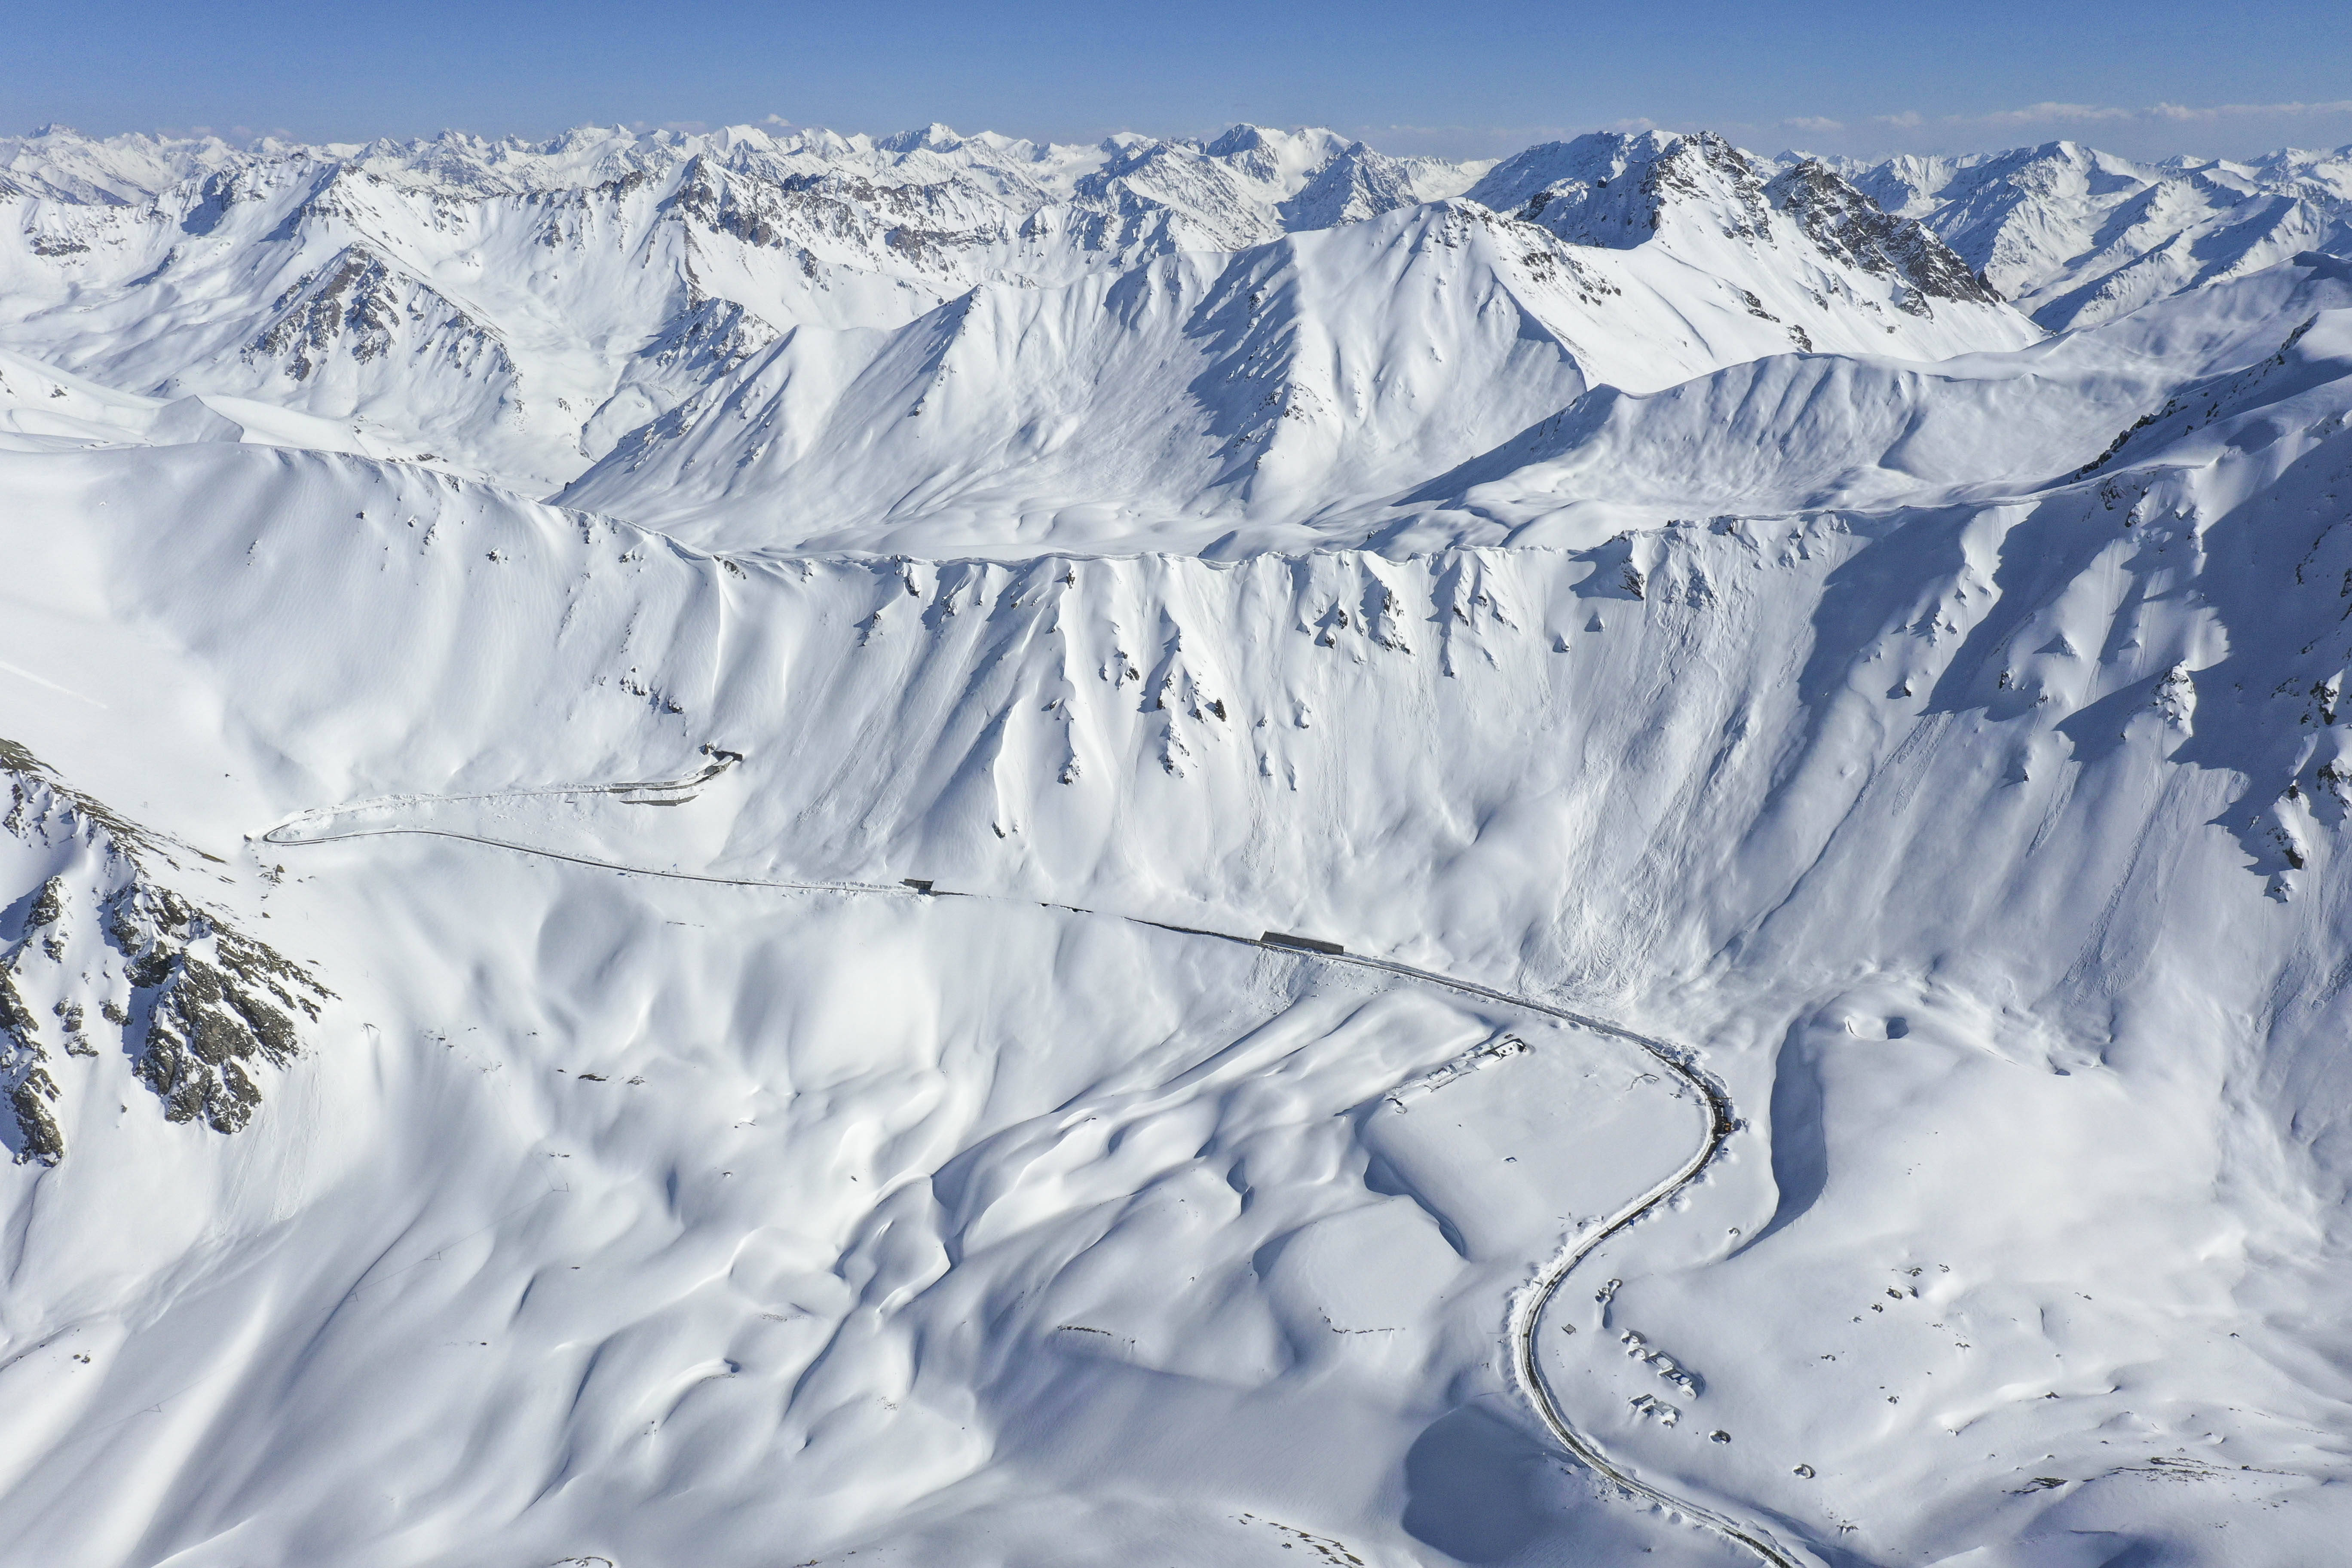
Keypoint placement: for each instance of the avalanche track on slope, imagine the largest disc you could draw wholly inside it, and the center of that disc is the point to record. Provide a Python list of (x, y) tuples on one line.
[(1527, 1313)]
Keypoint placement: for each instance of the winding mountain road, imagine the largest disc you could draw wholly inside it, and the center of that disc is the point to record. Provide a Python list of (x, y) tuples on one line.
[(310, 827)]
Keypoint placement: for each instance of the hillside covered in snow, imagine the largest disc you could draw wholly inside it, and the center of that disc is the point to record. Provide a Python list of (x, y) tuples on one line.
[(1216, 852)]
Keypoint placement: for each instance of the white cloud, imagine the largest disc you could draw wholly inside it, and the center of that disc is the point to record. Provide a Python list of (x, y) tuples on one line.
[(2153, 131), (2048, 113), (2145, 131), (2041, 113), (1458, 140), (2237, 110)]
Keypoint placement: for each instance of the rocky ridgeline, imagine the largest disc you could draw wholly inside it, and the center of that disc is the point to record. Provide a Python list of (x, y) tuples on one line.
[(1852, 229), (366, 308), (1617, 191), (199, 1007)]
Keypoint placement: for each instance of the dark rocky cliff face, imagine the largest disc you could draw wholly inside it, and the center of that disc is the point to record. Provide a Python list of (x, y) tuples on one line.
[(1618, 191), (1850, 227), (200, 1008)]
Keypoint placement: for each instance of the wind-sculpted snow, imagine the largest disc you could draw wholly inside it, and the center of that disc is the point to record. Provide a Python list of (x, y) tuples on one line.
[(1930, 828), (1837, 851), (43, 409)]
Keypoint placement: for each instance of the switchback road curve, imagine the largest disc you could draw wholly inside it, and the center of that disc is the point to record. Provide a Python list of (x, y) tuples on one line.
[(319, 826)]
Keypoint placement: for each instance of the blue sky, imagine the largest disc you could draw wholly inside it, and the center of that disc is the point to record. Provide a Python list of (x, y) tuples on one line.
[(2147, 78)]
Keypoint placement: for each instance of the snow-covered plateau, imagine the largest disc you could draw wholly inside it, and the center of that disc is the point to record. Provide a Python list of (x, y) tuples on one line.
[(1171, 853)]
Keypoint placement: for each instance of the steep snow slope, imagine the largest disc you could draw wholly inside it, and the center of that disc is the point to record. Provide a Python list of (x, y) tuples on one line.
[(1704, 200), (1820, 253), (1931, 737), (1278, 391), (1169, 402), (2078, 236), (1805, 432), (1985, 848)]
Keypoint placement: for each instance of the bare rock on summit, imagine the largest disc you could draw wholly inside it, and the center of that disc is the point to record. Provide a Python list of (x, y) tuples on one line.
[(1857, 231)]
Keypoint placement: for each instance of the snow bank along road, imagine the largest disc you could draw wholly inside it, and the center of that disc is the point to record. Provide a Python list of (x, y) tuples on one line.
[(319, 826)]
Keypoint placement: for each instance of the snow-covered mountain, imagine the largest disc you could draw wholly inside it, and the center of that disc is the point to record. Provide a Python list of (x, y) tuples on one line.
[(516, 310), (2077, 237), (745, 718), (1289, 390)]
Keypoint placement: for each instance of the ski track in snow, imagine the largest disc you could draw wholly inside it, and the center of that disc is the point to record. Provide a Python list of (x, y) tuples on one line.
[(1526, 1315)]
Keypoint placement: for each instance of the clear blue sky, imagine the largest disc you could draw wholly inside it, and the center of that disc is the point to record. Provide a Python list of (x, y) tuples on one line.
[(2146, 77)]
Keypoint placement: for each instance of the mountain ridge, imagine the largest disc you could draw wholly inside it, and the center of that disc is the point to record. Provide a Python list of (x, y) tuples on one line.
[(514, 308)]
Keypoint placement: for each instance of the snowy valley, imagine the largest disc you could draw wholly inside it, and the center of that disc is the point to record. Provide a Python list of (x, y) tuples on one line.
[(1212, 852)]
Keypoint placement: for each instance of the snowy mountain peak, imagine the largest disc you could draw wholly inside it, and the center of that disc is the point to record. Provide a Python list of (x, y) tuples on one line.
[(1355, 184), (932, 138), (1567, 187), (516, 308)]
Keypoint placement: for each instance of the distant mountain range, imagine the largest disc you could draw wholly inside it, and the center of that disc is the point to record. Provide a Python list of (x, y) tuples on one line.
[(521, 311)]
